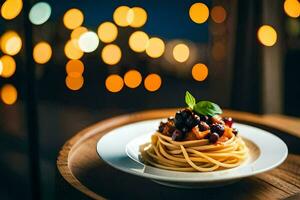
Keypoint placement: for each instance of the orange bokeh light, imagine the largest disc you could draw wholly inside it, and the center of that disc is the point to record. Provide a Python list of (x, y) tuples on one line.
[(11, 43), (199, 13), (72, 50), (114, 83), (74, 83), (120, 16), (132, 78), (152, 82), (73, 18), (77, 32), (199, 72), (111, 54), (8, 66), (218, 14), (74, 68), (11, 9), (9, 94), (292, 8), (42, 52)]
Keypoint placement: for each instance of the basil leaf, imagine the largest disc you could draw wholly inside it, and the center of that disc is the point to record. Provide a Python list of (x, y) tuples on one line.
[(190, 100), (207, 108)]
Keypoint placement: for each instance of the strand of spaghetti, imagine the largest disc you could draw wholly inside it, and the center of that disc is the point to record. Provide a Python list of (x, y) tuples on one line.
[(164, 153), (164, 159), (213, 160), (186, 156)]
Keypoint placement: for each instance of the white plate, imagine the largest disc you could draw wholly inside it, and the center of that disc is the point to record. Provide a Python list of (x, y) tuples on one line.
[(120, 149)]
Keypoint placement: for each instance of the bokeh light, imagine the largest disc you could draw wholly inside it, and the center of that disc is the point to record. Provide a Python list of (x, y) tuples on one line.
[(111, 54), (120, 16), (199, 72), (88, 41), (8, 66), (11, 9), (9, 94), (74, 83), (74, 68), (114, 83), (107, 32), (11, 43), (77, 32), (72, 50), (1, 67), (152, 82), (42, 52), (181, 52), (292, 8), (136, 17), (40, 13), (155, 47), (267, 35), (73, 18), (132, 78), (138, 41), (199, 13), (218, 14)]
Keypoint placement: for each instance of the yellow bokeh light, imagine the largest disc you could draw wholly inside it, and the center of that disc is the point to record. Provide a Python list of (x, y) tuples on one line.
[(292, 8), (72, 49), (199, 13), (107, 32), (111, 54), (218, 14), (8, 66), (9, 94), (1, 67), (132, 78), (199, 72), (138, 41), (152, 82), (42, 52), (120, 16), (11, 43), (77, 32), (74, 83), (155, 47), (267, 35), (114, 83), (11, 9), (74, 68), (73, 18), (136, 17), (181, 52)]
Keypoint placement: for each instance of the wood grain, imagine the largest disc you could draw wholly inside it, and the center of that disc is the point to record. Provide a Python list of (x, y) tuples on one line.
[(80, 166)]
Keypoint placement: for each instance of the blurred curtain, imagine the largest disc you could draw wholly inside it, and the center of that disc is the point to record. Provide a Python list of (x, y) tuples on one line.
[(247, 69)]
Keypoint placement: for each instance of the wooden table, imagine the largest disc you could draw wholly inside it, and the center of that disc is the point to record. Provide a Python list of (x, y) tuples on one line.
[(84, 175)]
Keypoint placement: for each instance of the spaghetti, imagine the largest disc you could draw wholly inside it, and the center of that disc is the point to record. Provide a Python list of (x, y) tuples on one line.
[(193, 155), (198, 138)]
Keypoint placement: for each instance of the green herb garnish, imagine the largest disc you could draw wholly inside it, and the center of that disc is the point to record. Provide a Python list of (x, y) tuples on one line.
[(190, 100), (202, 107)]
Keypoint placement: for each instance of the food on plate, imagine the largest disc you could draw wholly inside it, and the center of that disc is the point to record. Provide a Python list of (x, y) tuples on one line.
[(197, 138)]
